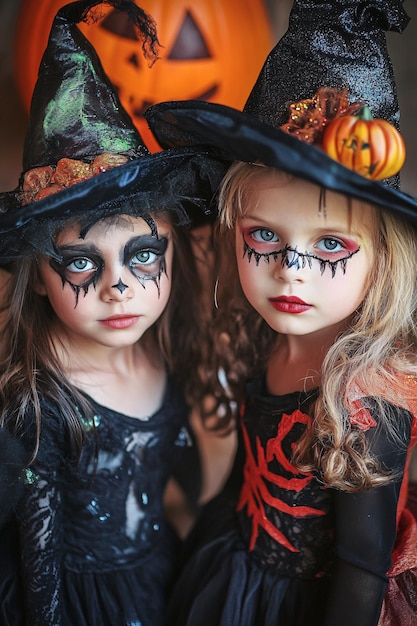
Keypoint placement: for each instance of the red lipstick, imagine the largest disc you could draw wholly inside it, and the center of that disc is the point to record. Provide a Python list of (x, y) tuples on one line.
[(120, 321), (289, 304)]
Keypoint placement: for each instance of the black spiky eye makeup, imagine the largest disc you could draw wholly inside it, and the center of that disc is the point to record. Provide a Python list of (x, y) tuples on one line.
[(82, 265), (330, 251), (145, 257)]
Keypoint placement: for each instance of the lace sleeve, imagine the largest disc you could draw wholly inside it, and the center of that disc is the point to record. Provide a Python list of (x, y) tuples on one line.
[(366, 530), (40, 521)]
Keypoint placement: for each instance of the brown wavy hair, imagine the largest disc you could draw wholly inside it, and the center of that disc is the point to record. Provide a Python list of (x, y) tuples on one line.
[(30, 367)]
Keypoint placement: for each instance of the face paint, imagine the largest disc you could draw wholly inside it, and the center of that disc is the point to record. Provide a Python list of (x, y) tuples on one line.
[(145, 257), (115, 252), (152, 225), (120, 286), (304, 272), (291, 257), (82, 266)]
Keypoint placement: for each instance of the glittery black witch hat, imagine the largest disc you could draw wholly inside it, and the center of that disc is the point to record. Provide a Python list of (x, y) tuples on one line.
[(332, 61), (83, 154)]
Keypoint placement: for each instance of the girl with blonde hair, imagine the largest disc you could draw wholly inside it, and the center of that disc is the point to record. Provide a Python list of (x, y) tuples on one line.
[(315, 335)]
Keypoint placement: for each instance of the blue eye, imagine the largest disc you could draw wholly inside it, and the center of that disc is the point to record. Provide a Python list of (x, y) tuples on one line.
[(264, 235), (82, 264), (328, 244), (144, 257)]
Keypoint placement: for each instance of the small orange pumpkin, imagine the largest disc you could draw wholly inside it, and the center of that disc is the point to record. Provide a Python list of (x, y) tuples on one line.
[(371, 147), (210, 51)]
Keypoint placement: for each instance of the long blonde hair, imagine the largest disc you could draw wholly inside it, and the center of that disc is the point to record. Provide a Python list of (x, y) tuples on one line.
[(376, 355)]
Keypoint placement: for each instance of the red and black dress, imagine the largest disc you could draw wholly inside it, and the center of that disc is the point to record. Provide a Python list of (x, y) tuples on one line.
[(301, 554)]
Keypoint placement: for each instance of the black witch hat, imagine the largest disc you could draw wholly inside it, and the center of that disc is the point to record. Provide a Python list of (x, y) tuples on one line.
[(332, 61), (83, 154)]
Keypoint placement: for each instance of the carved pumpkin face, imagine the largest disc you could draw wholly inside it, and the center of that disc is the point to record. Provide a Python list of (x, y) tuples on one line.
[(211, 51), (371, 147)]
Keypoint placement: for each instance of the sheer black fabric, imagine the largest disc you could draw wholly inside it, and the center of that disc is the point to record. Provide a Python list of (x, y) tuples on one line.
[(364, 545), (299, 554), (95, 548), (12, 462)]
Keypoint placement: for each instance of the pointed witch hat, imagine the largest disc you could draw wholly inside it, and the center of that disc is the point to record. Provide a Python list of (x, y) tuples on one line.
[(83, 154), (332, 61)]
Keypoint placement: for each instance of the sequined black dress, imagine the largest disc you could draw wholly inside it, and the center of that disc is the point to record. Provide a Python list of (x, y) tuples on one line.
[(296, 547), (95, 548)]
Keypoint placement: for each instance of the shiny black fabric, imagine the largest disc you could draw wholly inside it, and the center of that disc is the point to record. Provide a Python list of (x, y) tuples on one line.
[(76, 114), (235, 136), (95, 549), (336, 43), (178, 181), (75, 111), (334, 573)]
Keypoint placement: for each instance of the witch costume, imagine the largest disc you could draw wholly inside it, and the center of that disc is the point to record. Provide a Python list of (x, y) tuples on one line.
[(276, 560), (93, 546)]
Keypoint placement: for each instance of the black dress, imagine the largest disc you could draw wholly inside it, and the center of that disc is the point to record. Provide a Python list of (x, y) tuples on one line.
[(295, 547), (95, 549)]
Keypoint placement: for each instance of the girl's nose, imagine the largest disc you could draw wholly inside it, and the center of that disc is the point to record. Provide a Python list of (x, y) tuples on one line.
[(290, 267), (120, 286), (116, 286)]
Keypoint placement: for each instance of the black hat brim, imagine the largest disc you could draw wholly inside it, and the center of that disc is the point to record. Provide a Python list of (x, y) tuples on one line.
[(235, 136), (179, 181)]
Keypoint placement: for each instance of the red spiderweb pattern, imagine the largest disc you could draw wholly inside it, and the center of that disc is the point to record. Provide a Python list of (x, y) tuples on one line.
[(255, 494)]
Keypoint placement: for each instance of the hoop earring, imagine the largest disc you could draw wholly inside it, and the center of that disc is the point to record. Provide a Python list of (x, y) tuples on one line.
[(216, 286)]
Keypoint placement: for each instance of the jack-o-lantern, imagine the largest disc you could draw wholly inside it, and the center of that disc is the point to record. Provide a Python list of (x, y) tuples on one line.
[(211, 50), (371, 147)]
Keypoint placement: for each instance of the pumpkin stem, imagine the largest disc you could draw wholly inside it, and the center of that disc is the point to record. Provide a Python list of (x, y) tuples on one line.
[(365, 114)]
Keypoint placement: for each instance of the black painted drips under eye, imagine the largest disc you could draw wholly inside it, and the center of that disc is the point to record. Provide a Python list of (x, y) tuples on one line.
[(291, 257), (143, 272), (154, 245), (68, 256)]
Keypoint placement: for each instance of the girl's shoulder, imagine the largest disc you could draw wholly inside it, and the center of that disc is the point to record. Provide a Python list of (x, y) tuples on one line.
[(50, 436), (399, 391)]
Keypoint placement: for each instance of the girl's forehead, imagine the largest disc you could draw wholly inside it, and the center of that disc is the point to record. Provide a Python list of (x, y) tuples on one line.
[(281, 199), (124, 225)]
